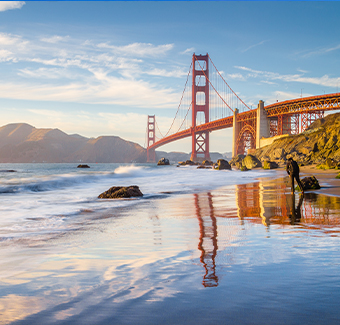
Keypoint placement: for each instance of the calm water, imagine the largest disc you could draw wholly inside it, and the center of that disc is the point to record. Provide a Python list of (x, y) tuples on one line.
[(201, 247)]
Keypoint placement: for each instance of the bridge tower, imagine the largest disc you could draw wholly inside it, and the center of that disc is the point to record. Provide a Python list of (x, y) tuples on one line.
[(200, 105), (151, 154)]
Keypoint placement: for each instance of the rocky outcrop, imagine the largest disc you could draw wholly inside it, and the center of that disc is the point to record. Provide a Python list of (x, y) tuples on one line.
[(329, 164), (319, 142), (163, 161), (222, 164), (119, 192), (251, 162), (83, 166), (270, 164), (309, 183)]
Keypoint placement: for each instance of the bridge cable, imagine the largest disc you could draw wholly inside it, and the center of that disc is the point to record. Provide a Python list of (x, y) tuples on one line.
[(228, 85), (180, 102), (159, 130)]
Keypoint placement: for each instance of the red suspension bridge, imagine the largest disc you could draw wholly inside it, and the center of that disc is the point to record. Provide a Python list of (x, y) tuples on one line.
[(208, 104)]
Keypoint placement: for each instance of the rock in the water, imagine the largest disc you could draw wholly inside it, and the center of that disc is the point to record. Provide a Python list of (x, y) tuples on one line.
[(222, 164), (310, 183), (118, 192), (163, 161), (270, 165), (83, 166), (207, 163), (251, 162), (236, 159)]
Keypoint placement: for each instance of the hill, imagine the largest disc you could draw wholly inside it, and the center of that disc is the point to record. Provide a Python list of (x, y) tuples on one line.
[(319, 142), (24, 143)]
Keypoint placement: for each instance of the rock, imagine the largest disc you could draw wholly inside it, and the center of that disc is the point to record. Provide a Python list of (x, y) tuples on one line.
[(222, 164), (309, 183), (238, 164), (328, 164), (251, 162), (236, 159), (270, 165), (278, 153), (117, 192), (207, 163), (244, 169), (191, 163), (163, 161), (83, 166), (204, 167)]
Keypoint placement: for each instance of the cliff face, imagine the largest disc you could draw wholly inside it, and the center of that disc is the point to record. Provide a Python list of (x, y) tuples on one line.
[(319, 142), (25, 143)]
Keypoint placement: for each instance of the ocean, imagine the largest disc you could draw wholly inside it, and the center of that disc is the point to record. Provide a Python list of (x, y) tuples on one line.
[(200, 247)]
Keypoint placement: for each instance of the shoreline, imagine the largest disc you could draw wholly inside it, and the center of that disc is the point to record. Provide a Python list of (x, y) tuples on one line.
[(328, 183)]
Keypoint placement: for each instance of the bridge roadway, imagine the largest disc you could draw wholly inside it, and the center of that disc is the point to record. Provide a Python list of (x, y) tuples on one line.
[(295, 106)]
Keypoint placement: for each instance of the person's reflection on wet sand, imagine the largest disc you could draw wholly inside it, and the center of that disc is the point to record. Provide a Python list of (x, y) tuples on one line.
[(295, 215)]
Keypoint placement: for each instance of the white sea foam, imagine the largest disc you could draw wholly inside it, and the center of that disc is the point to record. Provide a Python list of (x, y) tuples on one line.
[(51, 197)]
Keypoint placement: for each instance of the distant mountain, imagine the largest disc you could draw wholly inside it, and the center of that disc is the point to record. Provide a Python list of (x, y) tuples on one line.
[(22, 142)]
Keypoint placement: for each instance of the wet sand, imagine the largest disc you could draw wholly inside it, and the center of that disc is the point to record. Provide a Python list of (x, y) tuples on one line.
[(241, 254), (328, 183)]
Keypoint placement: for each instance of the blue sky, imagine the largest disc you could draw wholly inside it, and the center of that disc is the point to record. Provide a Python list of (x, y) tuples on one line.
[(99, 68)]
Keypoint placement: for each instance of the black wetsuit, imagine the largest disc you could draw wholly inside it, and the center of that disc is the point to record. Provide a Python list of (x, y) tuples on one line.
[(293, 171)]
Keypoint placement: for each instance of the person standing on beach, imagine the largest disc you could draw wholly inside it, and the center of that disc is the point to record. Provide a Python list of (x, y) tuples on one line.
[(293, 171)]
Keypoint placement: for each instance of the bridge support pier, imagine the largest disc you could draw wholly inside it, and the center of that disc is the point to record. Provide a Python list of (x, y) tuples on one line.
[(200, 105), (262, 124), (235, 133), (151, 154)]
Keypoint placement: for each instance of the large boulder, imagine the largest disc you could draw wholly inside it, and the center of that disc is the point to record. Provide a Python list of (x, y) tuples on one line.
[(119, 192), (83, 166), (236, 159), (207, 163), (270, 164), (310, 183), (163, 161), (251, 162), (222, 164)]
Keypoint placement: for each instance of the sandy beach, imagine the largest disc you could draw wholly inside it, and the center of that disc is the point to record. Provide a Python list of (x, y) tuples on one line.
[(250, 253)]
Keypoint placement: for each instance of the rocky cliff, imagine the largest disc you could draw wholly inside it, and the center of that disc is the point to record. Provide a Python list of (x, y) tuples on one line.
[(25, 143), (319, 142)]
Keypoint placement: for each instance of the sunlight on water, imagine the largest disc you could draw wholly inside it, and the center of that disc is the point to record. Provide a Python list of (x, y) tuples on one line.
[(239, 254)]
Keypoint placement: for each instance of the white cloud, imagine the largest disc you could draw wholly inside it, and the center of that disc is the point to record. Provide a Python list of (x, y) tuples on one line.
[(236, 76), (188, 51), (321, 51), (254, 45), (321, 81), (44, 73), (8, 5), (55, 39), (138, 49)]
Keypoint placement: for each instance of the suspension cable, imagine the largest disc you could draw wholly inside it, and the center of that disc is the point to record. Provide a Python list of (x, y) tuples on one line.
[(185, 116), (228, 85), (180, 100), (159, 129)]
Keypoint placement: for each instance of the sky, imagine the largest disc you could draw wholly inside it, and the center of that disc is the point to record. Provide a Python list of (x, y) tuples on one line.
[(99, 68)]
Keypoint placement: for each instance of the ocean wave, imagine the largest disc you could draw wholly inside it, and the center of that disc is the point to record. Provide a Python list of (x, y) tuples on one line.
[(50, 183)]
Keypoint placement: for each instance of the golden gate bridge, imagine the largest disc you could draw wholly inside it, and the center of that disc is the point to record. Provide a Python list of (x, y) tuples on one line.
[(208, 104)]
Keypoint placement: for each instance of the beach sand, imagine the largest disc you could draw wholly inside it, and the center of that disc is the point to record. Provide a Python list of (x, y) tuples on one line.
[(240, 254)]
